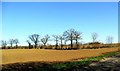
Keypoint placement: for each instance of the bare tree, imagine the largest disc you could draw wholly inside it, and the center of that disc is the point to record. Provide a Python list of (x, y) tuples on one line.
[(109, 39), (61, 40), (11, 42), (69, 35), (56, 39), (94, 36), (29, 43), (16, 42), (4, 44), (35, 39), (44, 40), (77, 36)]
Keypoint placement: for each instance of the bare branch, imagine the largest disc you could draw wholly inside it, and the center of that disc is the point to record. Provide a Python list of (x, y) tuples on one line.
[(56, 39), (109, 39), (94, 36), (16, 42), (11, 42), (44, 40), (69, 35), (35, 39), (4, 44)]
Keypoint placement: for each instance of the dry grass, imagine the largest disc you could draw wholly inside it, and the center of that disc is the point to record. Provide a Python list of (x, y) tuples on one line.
[(26, 55)]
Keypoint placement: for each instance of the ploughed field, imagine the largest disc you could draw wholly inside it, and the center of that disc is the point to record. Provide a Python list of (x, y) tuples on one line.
[(44, 55)]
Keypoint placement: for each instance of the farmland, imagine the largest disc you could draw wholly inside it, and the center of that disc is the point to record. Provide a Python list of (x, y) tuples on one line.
[(40, 55)]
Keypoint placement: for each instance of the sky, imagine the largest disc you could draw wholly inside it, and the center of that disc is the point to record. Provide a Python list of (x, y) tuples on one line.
[(59, 0), (21, 19), (119, 22)]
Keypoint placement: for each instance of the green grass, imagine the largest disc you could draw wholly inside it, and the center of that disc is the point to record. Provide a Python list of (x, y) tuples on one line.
[(83, 62)]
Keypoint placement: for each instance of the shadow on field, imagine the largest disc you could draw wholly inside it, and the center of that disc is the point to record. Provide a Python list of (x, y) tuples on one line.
[(31, 66), (39, 66)]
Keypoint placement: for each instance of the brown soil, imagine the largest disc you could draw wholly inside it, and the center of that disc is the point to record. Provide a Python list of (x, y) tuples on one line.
[(34, 55)]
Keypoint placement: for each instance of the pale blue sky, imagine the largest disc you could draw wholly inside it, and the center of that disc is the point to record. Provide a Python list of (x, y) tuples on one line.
[(59, 0), (21, 19)]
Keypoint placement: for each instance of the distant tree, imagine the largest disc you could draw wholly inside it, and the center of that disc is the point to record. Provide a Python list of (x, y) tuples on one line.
[(56, 40), (44, 40), (94, 36), (35, 39), (109, 39), (29, 43), (61, 37), (77, 36), (11, 42), (69, 35), (4, 44), (16, 42)]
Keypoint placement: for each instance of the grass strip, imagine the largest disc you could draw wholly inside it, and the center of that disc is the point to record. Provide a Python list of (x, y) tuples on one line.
[(83, 62)]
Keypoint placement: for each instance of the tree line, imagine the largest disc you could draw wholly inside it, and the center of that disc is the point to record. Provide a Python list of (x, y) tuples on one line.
[(68, 35)]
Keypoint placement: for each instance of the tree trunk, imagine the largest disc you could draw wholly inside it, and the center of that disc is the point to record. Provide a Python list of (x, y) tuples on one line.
[(35, 45), (16, 46), (76, 43), (56, 44), (30, 46), (61, 43), (71, 43), (11, 45), (44, 44)]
